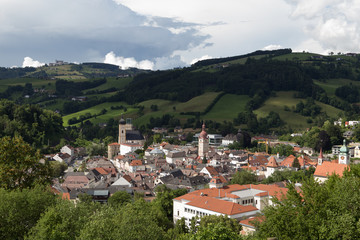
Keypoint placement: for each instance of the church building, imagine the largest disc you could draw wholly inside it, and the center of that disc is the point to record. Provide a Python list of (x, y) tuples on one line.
[(128, 138), (326, 168)]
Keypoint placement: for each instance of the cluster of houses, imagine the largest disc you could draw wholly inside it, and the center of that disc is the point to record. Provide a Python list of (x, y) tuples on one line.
[(204, 170)]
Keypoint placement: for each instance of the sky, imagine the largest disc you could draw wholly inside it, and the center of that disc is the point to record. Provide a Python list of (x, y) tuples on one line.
[(165, 34)]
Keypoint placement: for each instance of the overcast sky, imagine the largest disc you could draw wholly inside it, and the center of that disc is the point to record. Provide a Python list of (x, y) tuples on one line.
[(163, 34)]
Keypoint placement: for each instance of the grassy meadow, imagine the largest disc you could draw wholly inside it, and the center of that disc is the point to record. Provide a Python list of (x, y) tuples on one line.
[(97, 109), (227, 108)]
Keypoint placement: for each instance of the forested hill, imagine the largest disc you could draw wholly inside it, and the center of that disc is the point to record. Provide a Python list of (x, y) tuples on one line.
[(69, 70), (268, 53), (255, 77), (256, 74)]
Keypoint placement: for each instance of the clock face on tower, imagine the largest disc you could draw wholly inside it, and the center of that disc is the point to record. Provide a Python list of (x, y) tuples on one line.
[(342, 157)]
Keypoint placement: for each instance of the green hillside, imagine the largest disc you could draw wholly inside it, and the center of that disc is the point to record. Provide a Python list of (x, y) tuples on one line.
[(262, 82), (292, 119), (97, 109), (227, 108)]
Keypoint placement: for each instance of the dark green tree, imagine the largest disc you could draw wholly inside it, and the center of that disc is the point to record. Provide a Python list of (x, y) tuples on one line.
[(244, 177), (21, 165), (21, 209), (119, 198)]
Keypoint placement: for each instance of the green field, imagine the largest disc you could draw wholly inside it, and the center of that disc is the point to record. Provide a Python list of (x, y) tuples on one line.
[(294, 120), (295, 56), (332, 84), (228, 107), (97, 109), (196, 104), (118, 83)]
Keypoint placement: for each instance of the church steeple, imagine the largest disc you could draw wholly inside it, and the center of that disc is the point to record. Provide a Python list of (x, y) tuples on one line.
[(321, 157), (203, 147), (344, 154)]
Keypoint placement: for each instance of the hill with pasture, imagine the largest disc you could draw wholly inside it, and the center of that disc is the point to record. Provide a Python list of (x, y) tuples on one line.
[(303, 89)]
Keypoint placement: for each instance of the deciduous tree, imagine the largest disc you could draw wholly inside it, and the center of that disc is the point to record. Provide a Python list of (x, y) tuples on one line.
[(21, 165)]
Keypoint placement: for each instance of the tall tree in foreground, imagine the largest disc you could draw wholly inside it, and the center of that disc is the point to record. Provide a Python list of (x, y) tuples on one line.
[(21, 209), (319, 211), (21, 165)]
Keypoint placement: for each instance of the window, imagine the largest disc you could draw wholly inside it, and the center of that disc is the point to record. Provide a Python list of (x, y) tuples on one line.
[(178, 213)]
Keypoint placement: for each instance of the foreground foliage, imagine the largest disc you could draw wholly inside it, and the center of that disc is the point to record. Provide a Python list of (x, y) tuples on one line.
[(319, 211), (21, 165)]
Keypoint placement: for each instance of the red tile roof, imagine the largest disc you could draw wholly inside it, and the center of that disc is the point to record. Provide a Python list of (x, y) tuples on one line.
[(329, 168), (226, 191), (212, 171), (136, 163), (219, 206), (114, 144), (102, 171), (272, 163), (250, 221)]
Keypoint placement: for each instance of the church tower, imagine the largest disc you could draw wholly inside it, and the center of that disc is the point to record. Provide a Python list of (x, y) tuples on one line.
[(320, 158), (122, 131), (203, 143), (344, 157)]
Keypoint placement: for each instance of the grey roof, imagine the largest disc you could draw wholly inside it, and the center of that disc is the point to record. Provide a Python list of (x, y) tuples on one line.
[(133, 135), (176, 173), (176, 154), (156, 151), (230, 137)]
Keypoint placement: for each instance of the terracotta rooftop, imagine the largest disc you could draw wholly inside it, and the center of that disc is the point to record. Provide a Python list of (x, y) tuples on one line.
[(212, 170), (114, 144), (219, 206), (288, 162), (136, 163), (272, 163), (250, 221), (226, 191), (329, 168)]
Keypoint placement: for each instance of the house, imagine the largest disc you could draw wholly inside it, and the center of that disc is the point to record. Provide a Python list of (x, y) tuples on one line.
[(69, 150), (63, 158), (173, 156), (210, 171), (124, 181), (156, 152), (136, 165), (74, 181), (228, 139), (235, 201), (248, 226), (271, 167)]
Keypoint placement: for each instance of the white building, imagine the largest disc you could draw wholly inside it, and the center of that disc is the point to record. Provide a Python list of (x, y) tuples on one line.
[(271, 167), (129, 147), (69, 150), (235, 201)]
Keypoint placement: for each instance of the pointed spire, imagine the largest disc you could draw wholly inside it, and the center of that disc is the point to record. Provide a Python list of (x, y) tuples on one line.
[(203, 133), (321, 154)]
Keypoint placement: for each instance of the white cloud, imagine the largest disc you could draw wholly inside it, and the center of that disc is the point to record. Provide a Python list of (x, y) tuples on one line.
[(195, 60), (125, 63), (272, 47), (86, 30), (332, 24), (29, 62), (169, 62)]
